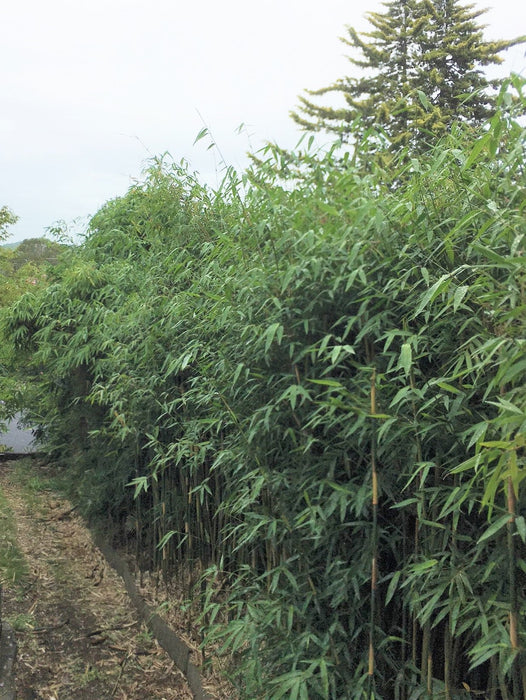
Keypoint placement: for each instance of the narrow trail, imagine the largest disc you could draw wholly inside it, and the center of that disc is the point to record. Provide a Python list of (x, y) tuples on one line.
[(78, 635)]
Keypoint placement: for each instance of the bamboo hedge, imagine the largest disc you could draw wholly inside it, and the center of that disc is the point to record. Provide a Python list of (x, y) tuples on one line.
[(308, 387)]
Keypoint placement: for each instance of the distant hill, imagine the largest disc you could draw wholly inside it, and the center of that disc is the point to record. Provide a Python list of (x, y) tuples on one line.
[(10, 246)]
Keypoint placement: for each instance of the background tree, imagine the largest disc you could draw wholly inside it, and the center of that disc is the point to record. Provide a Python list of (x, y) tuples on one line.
[(419, 69), (24, 268), (39, 251), (7, 218)]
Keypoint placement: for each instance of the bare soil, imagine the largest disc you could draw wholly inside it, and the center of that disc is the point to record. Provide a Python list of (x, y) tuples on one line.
[(78, 634)]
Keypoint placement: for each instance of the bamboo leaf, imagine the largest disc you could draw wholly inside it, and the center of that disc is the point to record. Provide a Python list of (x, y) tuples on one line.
[(424, 566), (508, 406), (424, 100), (518, 368), (405, 359), (165, 539), (273, 332), (520, 524), (477, 432), (447, 387), (140, 483), (460, 293), (439, 287), (494, 529), (393, 584), (481, 144), (328, 209), (327, 382), (201, 135), (499, 260)]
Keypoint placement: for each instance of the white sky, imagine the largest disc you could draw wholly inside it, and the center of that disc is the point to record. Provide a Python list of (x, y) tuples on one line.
[(92, 88)]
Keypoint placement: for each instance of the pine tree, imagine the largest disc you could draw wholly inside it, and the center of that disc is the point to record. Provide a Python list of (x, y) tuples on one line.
[(420, 68)]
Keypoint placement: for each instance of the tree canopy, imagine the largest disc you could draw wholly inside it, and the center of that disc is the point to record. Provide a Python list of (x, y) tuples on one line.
[(7, 218), (39, 251), (419, 68)]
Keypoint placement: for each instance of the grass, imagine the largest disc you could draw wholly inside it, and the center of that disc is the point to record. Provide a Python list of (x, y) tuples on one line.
[(24, 475), (29, 483), (13, 566), (22, 622), (88, 675)]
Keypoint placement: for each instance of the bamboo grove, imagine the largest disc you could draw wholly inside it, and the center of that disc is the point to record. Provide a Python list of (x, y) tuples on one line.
[(307, 388)]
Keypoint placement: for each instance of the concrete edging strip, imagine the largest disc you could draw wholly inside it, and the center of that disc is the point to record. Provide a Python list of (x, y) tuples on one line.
[(176, 649)]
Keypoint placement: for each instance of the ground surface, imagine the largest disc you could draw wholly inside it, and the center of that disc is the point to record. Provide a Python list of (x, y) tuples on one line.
[(77, 632)]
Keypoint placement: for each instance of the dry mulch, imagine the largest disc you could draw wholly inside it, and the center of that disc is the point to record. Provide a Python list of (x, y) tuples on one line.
[(78, 634)]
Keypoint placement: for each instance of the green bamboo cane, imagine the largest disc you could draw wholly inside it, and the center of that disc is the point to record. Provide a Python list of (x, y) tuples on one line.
[(374, 559), (517, 672)]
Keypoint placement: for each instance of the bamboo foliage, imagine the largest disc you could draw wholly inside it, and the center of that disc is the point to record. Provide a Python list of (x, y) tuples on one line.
[(311, 397)]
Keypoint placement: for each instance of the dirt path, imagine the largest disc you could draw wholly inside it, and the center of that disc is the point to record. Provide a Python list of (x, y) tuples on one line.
[(78, 635)]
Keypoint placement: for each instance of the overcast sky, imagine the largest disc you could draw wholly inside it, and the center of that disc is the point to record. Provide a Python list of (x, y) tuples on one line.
[(93, 88)]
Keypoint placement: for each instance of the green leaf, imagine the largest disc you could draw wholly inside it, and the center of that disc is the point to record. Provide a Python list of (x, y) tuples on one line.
[(480, 144), (340, 350), (498, 444), (165, 539), (460, 293), (273, 332), (400, 395), (424, 566), (494, 528), (471, 463), (140, 483), (405, 359), (328, 209), (327, 382), (392, 586), (499, 260), (201, 135), (432, 293), (425, 274), (477, 432), (512, 371), (424, 101), (405, 502), (508, 406), (447, 387), (520, 524), (294, 394)]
